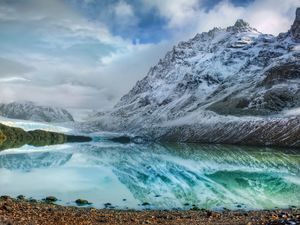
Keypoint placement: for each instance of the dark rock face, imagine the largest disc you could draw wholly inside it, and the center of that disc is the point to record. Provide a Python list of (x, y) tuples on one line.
[(240, 26), (281, 74), (269, 96), (295, 29), (11, 137)]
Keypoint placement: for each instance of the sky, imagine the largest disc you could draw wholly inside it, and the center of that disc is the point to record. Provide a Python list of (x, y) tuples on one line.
[(86, 54)]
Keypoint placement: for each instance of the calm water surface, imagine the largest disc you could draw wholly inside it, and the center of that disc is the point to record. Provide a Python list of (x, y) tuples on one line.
[(165, 176)]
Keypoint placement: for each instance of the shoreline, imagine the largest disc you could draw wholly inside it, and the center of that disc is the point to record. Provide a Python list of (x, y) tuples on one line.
[(15, 211)]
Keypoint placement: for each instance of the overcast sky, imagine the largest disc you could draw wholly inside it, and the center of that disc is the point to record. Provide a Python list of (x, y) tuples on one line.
[(88, 53)]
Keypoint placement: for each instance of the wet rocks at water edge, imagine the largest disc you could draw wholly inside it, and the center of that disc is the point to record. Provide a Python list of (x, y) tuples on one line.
[(50, 199), (32, 200), (82, 202), (109, 206), (21, 197), (13, 211), (145, 204)]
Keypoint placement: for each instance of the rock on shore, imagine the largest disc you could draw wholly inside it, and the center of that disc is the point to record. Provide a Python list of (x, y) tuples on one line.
[(25, 212)]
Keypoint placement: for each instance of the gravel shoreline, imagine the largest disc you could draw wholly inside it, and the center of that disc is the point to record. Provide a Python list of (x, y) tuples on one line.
[(15, 211)]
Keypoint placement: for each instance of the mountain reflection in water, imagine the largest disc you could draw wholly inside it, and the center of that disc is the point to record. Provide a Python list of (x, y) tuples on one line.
[(165, 176)]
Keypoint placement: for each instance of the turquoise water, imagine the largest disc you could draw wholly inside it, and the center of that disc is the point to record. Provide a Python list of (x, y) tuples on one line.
[(166, 176)]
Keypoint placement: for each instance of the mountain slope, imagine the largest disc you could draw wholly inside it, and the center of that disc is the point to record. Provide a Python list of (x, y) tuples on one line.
[(233, 78), (33, 112)]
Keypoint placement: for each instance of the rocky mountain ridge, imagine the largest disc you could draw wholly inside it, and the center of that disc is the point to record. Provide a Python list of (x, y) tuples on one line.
[(34, 112), (234, 77)]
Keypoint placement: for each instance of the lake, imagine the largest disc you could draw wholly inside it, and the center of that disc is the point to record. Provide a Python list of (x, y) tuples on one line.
[(154, 176)]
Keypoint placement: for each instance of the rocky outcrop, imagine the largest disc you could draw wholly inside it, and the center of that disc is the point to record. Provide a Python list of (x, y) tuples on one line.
[(295, 29), (11, 137), (33, 112)]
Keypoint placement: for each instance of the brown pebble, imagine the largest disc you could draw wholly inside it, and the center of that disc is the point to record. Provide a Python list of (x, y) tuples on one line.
[(7, 208)]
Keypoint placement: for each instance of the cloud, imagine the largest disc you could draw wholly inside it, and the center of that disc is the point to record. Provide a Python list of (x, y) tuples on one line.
[(53, 53), (190, 16), (272, 18), (178, 12), (12, 68), (124, 16), (124, 10), (13, 80), (122, 70)]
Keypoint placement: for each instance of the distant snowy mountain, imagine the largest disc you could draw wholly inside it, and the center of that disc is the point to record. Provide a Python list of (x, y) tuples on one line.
[(33, 112), (234, 82)]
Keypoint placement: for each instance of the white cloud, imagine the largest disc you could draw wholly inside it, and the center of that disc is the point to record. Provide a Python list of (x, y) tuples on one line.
[(119, 72), (11, 67), (268, 16), (222, 15), (178, 12), (74, 62), (124, 16), (13, 79), (123, 9), (271, 16)]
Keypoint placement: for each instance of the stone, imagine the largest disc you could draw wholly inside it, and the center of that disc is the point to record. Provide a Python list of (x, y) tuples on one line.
[(7, 208), (295, 29), (32, 200), (107, 205), (4, 197), (81, 202), (21, 197), (50, 199)]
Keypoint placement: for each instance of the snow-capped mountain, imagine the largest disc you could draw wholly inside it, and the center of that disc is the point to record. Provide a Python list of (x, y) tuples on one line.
[(33, 112), (219, 82)]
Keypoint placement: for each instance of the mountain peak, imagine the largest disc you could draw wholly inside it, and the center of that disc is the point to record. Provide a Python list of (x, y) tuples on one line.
[(240, 26), (295, 29), (241, 23)]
